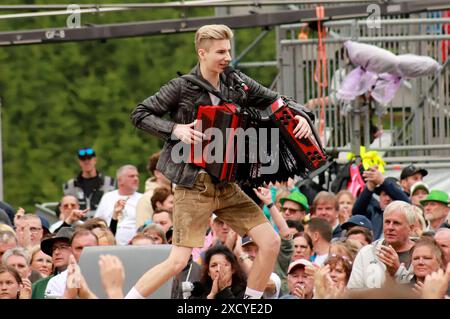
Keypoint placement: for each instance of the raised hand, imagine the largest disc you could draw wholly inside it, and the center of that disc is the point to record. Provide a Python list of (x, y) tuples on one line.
[(389, 257), (264, 195), (418, 287), (373, 177), (73, 282), (24, 234), (224, 278), (215, 286), (76, 215), (19, 214), (112, 275), (435, 284), (311, 270), (300, 291), (25, 289)]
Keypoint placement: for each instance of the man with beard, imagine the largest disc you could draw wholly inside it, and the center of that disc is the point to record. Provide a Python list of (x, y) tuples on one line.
[(436, 209)]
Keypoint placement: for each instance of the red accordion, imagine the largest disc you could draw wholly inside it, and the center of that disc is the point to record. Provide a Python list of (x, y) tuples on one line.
[(308, 150), (227, 119), (296, 157)]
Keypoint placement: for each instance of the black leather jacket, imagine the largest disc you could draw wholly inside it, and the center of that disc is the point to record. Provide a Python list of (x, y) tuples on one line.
[(180, 99)]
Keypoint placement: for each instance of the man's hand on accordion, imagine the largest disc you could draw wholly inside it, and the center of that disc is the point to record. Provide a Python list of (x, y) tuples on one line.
[(302, 129), (187, 134)]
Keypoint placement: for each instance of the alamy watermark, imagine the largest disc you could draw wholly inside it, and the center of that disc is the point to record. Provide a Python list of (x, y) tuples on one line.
[(373, 21), (230, 147)]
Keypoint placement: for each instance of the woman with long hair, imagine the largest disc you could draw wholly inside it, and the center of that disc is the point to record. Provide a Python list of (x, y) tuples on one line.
[(221, 277)]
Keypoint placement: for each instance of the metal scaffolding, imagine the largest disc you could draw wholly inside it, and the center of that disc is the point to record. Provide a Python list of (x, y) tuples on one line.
[(417, 120)]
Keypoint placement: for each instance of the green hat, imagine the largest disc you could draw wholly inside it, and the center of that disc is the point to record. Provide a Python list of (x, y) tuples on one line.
[(298, 198), (436, 196)]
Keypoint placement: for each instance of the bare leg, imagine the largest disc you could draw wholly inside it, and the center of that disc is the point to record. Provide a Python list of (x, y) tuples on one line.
[(268, 242), (158, 275)]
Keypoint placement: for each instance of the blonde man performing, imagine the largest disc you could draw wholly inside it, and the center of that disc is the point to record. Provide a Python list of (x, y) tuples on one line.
[(196, 196)]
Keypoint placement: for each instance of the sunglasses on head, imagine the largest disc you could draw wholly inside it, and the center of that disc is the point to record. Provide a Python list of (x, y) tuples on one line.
[(86, 152)]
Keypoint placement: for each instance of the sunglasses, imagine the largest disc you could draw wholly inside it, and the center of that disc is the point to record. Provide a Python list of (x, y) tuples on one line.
[(285, 209), (86, 152), (70, 205)]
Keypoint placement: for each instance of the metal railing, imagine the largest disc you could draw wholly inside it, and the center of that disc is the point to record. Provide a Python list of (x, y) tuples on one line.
[(47, 210), (420, 112)]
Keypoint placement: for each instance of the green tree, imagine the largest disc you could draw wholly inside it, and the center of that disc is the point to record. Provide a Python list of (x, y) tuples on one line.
[(57, 98)]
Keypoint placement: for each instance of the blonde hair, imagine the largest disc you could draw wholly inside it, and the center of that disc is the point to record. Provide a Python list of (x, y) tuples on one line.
[(4, 227), (404, 208), (34, 250), (325, 197), (211, 32), (101, 233), (157, 229), (343, 193), (419, 217)]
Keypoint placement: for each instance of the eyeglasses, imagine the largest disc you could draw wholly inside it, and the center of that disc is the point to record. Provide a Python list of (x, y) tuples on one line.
[(285, 209), (35, 229), (69, 205), (60, 247)]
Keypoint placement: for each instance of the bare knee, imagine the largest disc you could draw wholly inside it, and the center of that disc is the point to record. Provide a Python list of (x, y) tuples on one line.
[(270, 246), (275, 243)]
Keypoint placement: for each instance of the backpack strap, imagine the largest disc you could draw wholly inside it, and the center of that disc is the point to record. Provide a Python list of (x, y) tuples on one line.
[(107, 183)]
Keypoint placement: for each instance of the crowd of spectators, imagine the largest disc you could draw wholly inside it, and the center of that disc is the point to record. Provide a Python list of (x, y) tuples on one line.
[(394, 233)]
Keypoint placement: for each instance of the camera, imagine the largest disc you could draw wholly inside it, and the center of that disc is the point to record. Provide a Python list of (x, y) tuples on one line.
[(187, 287)]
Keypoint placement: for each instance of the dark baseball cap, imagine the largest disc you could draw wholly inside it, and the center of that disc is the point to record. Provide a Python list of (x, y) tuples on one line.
[(357, 220), (246, 240), (86, 153), (411, 169)]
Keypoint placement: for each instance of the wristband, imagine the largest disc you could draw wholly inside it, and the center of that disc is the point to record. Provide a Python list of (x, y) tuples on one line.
[(134, 294), (270, 205)]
